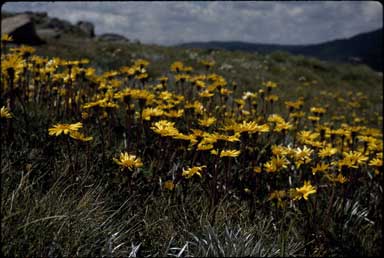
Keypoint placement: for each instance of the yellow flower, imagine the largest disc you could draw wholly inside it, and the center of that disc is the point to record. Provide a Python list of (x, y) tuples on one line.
[(130, 71), (341, 179), (165, 128), (207, 142), (353, 159), (307, 136), (313, 118), (294, 104), (249, 127), (202, 146), (278, 195), (141, 95), (185, 137), (207, 121), (105, 103), (214, 152), (272, 98), (141, 63), (225, 91), (317, 110), (270, 84), (375, 145), (304, 191), (6, 38), (177, 66), (187, 69), (189, 172), (79, 136), (376, 162), (320, 167), (128, 161), (23, 49), (282, 126), (4, 113), (163, 79), (248, 95), (276, 163), (274, 118), (182, 77), (297, 115), (149, 112), (12, 62), (206, 94), (142, 76), (174, 113), (327, 152), (84, 115), (207, 63), (229, 138), (337, 179), (169, 185), (64, 128), (200, 84), (279, 150), (257, 170), (240, 102), (229, 153), (302, 156), (247, 190)]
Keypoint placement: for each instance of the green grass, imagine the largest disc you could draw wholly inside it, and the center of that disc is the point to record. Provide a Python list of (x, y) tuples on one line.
[(50, 209)]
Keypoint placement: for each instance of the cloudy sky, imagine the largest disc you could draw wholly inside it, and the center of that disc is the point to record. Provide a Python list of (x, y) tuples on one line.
[(169, 23)]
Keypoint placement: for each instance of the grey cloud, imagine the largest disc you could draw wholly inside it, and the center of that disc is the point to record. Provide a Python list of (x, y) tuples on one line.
[(174, 22)]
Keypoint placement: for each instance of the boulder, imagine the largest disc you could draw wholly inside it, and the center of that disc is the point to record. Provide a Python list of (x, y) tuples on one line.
[(60, 26), (87, 27), (37, 15), (112, 37), (55, 23), (22, 30), (48, 33)]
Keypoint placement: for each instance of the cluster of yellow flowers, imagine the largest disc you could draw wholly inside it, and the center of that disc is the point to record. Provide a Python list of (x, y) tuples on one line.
[(196, 113)]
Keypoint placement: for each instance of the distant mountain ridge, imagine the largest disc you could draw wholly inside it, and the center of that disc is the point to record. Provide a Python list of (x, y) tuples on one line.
[(363, 48)]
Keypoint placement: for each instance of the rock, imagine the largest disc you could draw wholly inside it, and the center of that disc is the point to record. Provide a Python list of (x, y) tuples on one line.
[(48, 33), (157, 58), (226, 67), (87, 27), (22, 29), (63, 27), (355, 60), (37, 15), (55, 23), (112, 37)]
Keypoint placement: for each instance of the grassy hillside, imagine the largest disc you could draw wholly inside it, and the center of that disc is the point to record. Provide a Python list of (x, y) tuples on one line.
[(366, 46), (296, 75), (146, 151), (243, 67)]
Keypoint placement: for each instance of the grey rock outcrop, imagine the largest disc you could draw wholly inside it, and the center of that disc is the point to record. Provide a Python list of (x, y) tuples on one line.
[(54, 27), (87, 27), (48, 33), (112, 37), (22, 29), (55, 23)]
